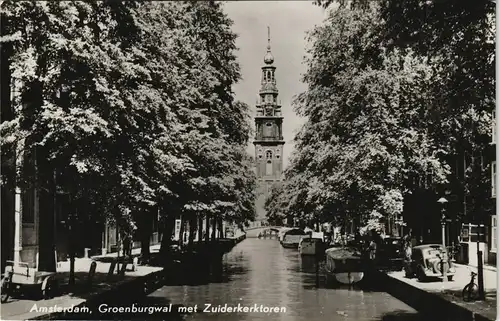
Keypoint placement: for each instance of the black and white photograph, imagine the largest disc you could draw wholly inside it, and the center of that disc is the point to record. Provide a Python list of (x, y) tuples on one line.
[(309, 160)]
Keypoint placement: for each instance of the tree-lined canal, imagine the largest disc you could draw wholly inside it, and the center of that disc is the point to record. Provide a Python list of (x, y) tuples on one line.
[(260, 275)]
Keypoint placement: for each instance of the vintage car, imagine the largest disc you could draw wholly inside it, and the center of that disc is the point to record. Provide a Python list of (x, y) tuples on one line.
[(390, 253), (428, 261)]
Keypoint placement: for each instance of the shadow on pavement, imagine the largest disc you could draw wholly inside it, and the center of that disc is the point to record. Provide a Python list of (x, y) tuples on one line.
[(402, 316), (82, 289)]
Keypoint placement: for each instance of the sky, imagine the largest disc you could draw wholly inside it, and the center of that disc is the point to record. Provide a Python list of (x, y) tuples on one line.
[(289, 22)]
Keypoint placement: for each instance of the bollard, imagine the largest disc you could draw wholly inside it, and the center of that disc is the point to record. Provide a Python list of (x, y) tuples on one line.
[(91, 275), (135, 262), (86, 255), (480, 275), (111, 270), (123, 269)]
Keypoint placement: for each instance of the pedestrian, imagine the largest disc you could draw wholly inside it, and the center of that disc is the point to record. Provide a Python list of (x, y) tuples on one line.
[(407, 247), (126, 244), (129, 239)]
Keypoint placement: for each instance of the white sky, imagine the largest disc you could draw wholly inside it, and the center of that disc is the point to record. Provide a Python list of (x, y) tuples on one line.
[(289, 21)]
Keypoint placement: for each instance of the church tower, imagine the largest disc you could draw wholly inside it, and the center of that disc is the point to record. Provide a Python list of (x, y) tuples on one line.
[(268, 134)]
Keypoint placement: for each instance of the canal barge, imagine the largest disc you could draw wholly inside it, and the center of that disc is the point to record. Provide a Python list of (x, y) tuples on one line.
[(312, 246), (292, 237), (345, 264)]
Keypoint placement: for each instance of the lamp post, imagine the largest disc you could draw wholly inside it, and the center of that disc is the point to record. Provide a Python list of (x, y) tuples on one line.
[(442, 201)]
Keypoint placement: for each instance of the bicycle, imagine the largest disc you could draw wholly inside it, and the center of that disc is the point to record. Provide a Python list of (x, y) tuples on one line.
[(471, 290)]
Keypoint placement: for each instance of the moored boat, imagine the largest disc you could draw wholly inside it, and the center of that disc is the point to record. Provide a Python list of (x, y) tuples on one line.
[(292, 237), (345, 265), (281, 233), (311, 246)]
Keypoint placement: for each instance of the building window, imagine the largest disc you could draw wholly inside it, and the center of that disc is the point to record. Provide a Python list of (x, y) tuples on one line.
[(278, 156), (260, 156), (494, 179), (269, 154), (269, 168), (494, 233)]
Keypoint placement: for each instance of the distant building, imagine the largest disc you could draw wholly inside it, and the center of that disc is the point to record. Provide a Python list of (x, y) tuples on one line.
[(268, 135)]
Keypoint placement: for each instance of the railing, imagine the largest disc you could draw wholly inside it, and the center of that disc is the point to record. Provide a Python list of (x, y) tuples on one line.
[(263, 227)]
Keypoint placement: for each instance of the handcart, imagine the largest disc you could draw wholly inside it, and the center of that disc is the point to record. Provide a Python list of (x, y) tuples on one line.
[(19, 277)]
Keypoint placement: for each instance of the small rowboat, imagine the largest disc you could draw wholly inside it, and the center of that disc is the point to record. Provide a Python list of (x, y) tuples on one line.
[(345, 265)]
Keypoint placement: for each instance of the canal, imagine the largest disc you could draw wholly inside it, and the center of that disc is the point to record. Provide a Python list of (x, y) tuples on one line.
[(260, 274)]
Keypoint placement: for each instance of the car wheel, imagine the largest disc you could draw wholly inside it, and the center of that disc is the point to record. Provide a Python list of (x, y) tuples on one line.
[(408, 273), (5, 286), (421, 274)]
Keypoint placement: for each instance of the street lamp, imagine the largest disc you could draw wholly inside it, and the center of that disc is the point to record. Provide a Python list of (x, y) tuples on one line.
[(442, 201)]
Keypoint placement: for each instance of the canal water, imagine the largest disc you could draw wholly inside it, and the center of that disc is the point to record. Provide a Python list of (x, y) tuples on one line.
[(264, 277)]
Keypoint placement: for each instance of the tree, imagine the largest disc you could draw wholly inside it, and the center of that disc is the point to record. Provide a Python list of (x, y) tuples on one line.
[(458, 40), (129, 108), (366, 133)]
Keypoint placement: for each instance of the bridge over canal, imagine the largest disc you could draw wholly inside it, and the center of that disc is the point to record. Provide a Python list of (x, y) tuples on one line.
[(253, 232)]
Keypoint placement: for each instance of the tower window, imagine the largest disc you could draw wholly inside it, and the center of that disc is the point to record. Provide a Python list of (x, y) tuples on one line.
[(269, 168), (269, 154), (268, 124), (277, 156), (260, 156)]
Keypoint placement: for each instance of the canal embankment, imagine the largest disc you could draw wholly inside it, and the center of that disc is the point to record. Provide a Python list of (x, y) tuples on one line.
[(442, 298), (103, 287)]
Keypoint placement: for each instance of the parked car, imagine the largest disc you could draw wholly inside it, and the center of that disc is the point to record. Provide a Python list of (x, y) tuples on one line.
[(427, 261), (390, 253)]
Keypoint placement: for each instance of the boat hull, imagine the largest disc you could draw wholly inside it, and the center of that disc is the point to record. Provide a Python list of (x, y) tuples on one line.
[(292, 241), (349, 278), (345, 267), (288, 245)]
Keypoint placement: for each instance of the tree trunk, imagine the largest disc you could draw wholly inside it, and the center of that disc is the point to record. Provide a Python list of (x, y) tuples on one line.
[(181, 232), (8, 155), (166, 239), (207, 229), (46, 186), (214, 228), (145, 231), (192, 230), (46, 241), (221, 226), (200, 228)]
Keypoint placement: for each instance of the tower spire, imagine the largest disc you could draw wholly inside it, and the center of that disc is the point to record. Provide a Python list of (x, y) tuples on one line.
[(268, 38), (268, 58)]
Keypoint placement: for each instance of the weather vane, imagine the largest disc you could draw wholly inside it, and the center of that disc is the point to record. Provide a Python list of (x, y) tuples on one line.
[(268, 37)]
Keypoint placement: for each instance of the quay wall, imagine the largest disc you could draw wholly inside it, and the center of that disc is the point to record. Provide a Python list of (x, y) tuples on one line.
[(425, 302), (135, 289)]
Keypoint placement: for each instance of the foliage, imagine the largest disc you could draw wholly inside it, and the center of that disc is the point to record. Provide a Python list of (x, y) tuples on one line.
[(380, 102), (136, 106)]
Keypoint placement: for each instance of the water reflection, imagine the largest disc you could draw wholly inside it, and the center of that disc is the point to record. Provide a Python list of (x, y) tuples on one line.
[(260, 271)]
